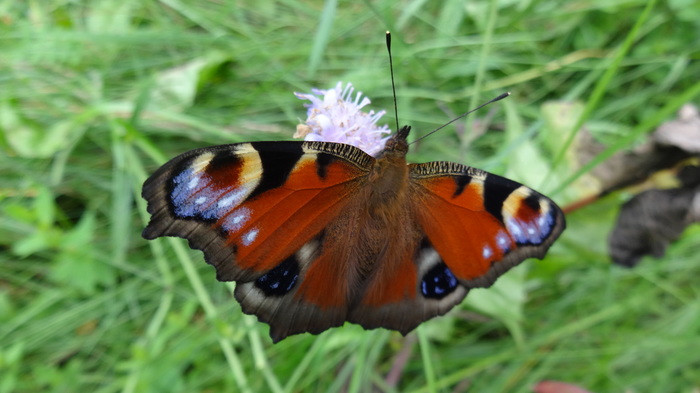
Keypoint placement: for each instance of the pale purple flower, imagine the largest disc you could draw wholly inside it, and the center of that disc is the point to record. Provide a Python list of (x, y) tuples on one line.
[(334, 117)]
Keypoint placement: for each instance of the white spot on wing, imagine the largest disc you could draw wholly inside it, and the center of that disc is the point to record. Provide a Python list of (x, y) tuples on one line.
[(430, 256), (307, 251), (502, 241), (250, 237), (193, 183), (235, 221), (232, 198), (514, 227), (487, 252), (200, 200), (427, 258)]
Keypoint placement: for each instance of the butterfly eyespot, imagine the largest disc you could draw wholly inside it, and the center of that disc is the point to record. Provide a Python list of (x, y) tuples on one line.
[(438, 282), (281, 279), (531, 231)]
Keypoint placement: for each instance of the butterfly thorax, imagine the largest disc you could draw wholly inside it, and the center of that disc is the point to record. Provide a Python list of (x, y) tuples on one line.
[(389, 175)]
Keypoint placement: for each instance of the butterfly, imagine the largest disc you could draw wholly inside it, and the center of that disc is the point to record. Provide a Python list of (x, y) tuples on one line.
[(319, 233)]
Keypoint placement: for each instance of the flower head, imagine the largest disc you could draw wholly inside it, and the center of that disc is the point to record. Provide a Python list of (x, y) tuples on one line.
[(333, 116)]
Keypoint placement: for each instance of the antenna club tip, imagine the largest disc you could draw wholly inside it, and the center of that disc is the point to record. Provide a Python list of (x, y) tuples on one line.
[(388, 32), (500, 97)]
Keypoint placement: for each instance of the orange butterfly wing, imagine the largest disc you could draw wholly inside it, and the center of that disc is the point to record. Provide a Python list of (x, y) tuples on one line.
[(258, 212), (482, 224), (473, 226)]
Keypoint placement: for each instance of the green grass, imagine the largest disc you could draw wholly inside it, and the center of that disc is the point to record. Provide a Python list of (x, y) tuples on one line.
[(95, 95)]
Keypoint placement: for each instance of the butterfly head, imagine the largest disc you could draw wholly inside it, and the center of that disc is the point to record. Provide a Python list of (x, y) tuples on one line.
[(397, 144)]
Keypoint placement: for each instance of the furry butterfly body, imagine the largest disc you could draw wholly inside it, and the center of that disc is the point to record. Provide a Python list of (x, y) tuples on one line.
[(318, 233)]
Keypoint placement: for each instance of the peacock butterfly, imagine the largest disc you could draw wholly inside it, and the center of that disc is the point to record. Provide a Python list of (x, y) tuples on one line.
[(319, 233)]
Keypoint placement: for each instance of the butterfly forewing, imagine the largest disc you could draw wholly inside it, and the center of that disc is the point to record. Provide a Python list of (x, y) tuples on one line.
[(249, 206), (482, 224)]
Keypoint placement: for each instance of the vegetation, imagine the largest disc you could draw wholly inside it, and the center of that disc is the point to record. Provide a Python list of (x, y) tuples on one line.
[(94, 96)]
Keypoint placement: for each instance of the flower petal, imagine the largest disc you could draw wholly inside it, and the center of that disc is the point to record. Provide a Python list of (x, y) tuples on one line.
[(333, 116)]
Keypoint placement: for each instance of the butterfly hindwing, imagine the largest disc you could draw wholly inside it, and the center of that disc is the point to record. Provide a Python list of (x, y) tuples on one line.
[(431, 291), (280, 298)]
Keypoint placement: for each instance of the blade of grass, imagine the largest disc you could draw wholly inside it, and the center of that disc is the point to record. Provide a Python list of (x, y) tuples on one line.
[(234, 362), (427, 358), (322, 35), (491, 18)]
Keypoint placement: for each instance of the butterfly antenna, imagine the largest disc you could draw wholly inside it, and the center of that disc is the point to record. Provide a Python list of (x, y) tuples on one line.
[(500, 97), (393, 85)]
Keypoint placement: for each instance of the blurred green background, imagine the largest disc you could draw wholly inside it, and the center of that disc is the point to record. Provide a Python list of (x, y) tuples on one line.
[(95, 95)]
